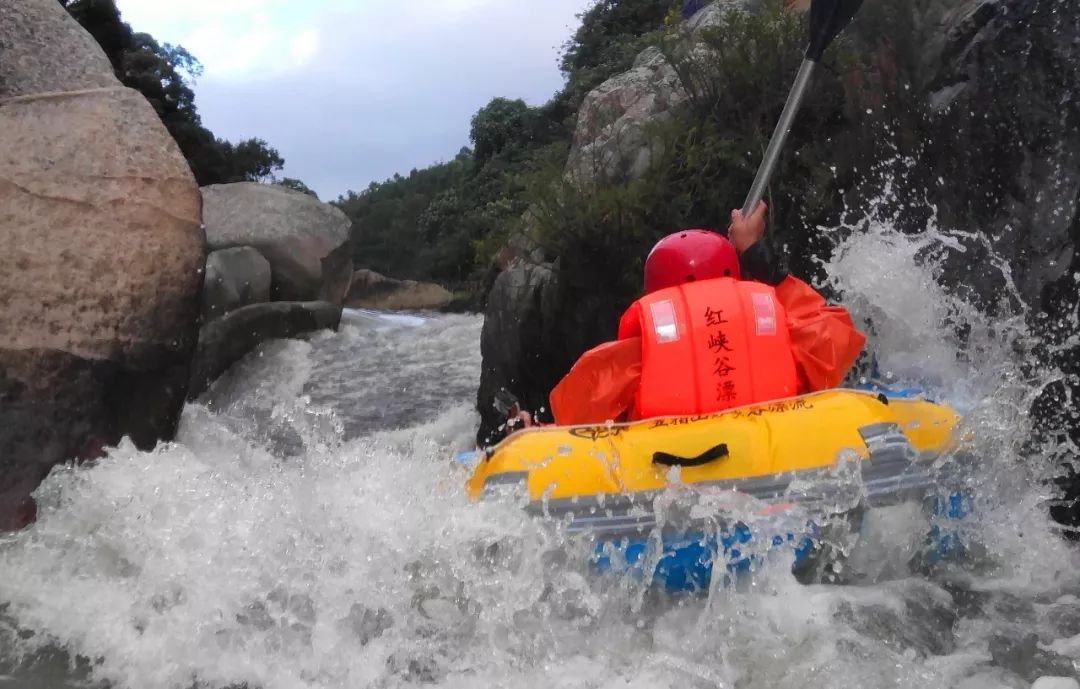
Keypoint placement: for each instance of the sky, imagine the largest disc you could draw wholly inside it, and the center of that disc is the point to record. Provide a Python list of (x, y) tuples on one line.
[(353, 91)]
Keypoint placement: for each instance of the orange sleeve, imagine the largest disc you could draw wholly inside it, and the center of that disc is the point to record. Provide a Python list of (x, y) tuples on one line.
[(630, 323), (823, 338), (600, 386)]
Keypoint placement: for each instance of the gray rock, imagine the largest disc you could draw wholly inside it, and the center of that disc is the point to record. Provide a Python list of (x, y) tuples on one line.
[(710, 17), (99, 278), (510, 341), (292, 230), (228, 339), (371, 290), (611, 140), (234, 278), (44, 50), (337, 275)]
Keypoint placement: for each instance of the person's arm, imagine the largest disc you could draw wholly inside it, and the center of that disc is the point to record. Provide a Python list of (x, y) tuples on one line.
[(601, 385), (824, 339), (756, 261)]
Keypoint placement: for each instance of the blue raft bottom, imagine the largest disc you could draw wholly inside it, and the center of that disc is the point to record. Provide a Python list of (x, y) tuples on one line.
[(686, 562)]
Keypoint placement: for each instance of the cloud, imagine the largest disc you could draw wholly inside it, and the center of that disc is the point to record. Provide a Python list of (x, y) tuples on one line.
[(233, 38), (146, 14), (224, 52), (304, 45), (353, 91)]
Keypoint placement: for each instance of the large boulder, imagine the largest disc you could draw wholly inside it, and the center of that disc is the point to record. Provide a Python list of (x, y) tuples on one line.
[(100, 271), (234, 278), (510, 342), (371, 290), (42, 50), (293, 230), (538, 319), (337, 271), (611, 140), (228, 339)]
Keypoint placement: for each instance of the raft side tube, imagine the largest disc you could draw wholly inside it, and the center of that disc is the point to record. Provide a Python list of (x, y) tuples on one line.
[(765, 445)]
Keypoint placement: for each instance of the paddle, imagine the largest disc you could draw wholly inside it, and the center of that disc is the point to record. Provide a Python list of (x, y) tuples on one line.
[(827, 19)]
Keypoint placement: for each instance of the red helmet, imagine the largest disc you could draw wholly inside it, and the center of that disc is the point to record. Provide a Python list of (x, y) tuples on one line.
[(687, 256)]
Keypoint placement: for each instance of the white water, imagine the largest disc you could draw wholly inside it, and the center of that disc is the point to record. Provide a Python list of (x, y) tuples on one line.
[(308, 529)]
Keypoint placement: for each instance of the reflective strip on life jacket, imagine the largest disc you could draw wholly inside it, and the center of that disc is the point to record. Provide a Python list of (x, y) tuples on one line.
[(709, 346)]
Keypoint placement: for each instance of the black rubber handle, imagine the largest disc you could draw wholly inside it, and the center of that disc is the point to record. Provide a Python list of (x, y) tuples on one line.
[(712, 454)]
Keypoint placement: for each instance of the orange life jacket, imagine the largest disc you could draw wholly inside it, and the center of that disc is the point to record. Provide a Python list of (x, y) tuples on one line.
[(710, 345)]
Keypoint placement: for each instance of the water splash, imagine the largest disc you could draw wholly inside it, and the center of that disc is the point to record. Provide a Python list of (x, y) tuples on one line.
[(308, 530), (984, 364)]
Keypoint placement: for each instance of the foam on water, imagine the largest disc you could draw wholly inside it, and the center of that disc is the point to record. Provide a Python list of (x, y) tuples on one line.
[(308, 529)]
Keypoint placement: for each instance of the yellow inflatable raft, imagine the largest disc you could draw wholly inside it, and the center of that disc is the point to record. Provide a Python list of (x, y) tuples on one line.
[(601, 481), (757, 449)]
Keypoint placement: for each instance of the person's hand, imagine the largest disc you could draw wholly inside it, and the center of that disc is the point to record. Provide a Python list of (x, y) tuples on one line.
[(744, 232), (518, 419)]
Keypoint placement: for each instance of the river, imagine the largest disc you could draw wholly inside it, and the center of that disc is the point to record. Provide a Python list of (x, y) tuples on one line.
[(308, 529)]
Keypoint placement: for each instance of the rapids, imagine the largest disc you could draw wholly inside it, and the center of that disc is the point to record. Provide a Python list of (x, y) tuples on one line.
[(308, 529)]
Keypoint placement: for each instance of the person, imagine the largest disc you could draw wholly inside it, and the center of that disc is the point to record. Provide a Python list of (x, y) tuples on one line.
[(719, 325)]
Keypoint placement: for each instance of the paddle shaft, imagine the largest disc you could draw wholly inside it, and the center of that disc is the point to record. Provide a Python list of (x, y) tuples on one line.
[(787, 119)]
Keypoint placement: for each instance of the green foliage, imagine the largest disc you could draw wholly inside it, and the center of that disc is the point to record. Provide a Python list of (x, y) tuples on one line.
[(386, 217), (600, 23), (252, 160), (611, 34), (704, 159), (297, 185), (500, 124), (441, 223), (161, 72)]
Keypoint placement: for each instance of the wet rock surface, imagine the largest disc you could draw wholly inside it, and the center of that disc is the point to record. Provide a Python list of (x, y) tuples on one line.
[(226, 340), (295, 232), (371, 290), (42, 50), (234, 278), (100, 273)]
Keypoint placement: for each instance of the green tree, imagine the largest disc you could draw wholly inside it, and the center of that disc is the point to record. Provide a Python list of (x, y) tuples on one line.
[(611, 35), (297, 185), (162, 72), (101, 19), (500, 124), (437, 218), (607, 25), (254, 160)]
